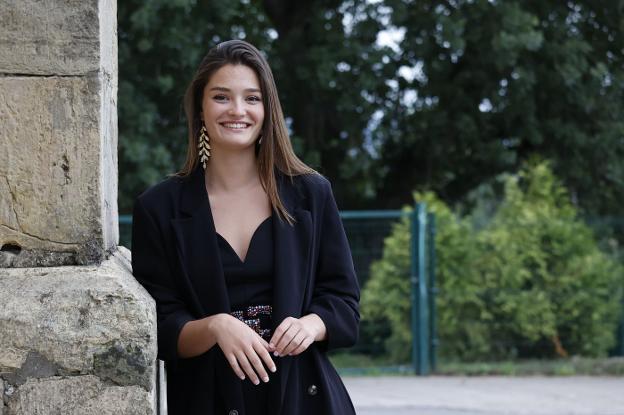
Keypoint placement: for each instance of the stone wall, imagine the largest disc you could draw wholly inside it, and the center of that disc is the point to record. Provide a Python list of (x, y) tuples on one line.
[(77, 331), (58, 158), (74, 337)]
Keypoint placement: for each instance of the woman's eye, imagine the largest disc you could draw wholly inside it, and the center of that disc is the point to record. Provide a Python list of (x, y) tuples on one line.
[(219, 97), (254, 98)]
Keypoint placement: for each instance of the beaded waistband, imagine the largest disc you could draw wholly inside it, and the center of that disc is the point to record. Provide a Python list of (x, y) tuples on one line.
[(258, 318)]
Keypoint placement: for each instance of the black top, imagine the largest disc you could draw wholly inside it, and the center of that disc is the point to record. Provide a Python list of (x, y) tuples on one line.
[(250, 282)]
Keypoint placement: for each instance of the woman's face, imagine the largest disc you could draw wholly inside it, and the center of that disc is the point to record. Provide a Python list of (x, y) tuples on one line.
[(232, 108)]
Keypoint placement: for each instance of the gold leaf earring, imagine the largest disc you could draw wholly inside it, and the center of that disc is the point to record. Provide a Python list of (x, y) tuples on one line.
[(204, 146)]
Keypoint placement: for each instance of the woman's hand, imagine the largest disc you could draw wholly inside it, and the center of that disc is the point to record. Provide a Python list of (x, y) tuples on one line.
[(294, 335), (243, 348)]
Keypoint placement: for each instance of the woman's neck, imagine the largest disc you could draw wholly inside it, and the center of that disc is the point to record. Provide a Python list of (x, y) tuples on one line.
[(231, 172)]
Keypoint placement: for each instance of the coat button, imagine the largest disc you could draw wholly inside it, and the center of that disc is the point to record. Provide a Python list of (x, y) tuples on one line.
[(312, 390), (233, 412)]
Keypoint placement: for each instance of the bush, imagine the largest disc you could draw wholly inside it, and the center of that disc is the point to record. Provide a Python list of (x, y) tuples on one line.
[(530, 283)]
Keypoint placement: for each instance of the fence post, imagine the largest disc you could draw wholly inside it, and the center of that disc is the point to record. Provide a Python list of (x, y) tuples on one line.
[(620, 352), (419, 294), (433, 291)]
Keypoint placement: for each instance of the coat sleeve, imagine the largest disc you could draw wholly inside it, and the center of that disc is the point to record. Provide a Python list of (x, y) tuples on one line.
[(152, 270), (336, 292)]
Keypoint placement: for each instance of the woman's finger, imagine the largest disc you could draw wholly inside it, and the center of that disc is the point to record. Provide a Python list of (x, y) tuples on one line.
[(279, 332), (256, 362), (263, 342), (286, 339), (246, 366), (235, 366), (302, 347), (261, 350), (296, 341)]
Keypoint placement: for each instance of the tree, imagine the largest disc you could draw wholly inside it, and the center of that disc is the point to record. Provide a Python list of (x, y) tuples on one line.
[(162, 42), (495, 82), (471, 89)]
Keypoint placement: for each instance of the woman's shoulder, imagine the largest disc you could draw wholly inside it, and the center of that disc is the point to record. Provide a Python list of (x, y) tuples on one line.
[(163, 193), (314, 189), (313, 182)]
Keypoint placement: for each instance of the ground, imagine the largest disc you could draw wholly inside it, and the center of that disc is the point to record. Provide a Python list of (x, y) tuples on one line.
[(440, 395)]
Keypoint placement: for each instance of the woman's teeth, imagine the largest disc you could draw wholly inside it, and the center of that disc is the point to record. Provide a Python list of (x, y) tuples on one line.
[(235, 125)]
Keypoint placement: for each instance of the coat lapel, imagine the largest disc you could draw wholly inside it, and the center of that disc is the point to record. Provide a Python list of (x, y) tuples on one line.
[(197, 247), (292, 255)]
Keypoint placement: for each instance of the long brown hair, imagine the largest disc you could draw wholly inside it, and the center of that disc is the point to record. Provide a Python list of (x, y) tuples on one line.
[(276, 151)]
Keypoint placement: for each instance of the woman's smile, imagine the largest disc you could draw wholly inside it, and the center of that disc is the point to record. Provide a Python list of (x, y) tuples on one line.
[(235, 126)]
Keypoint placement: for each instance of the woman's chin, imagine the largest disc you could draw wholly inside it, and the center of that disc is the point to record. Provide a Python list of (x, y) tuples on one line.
[(230, 144)]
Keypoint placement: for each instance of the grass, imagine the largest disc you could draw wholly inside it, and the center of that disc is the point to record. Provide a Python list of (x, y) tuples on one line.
[(361, 365), (575, 366)]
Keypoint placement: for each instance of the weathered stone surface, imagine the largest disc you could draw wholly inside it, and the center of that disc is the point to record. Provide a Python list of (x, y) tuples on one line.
[(58, 170), (77, 320), (58, 152), (58, 37), (76, 339), (78, 395)]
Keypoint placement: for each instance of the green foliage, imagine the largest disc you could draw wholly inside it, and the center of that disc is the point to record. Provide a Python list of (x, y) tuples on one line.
[(531, 283), (550, 284), (383, 301), (162, 42), (495, 82), (469, 89)]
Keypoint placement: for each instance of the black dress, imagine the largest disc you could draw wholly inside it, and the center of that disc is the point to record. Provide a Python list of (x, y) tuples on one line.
[(250, 290)]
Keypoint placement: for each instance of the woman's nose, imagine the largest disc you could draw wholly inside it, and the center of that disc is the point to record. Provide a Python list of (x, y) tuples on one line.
[(237, 107)]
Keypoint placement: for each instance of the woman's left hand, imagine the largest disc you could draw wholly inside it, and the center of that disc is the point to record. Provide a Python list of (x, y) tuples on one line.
[(295, 335)]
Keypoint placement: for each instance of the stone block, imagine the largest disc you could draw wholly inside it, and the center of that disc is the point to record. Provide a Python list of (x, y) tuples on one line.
[(79, 395), (58, 37), (58, 170), (73, 321)]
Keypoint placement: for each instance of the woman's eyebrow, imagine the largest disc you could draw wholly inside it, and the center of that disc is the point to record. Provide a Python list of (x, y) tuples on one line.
[(223, 89)]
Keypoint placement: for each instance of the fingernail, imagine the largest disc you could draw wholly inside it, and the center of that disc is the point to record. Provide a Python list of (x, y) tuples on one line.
[(257, 382), (242, 378), (275, 354), (273, 369), (266, 379)]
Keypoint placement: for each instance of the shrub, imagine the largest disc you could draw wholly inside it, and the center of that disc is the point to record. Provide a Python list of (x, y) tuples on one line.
[(530, 283), (551, 291)]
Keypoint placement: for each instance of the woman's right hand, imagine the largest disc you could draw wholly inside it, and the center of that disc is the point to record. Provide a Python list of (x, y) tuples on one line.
[(243, 348)]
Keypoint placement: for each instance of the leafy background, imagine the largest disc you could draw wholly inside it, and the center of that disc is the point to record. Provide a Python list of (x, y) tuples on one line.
[(388, 97), (506, 117)]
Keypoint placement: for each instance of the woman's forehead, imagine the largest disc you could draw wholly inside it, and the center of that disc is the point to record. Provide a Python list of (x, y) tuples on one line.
[(239, 77)]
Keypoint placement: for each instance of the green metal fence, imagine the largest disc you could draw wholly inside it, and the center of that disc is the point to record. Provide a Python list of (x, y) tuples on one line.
[(366, 231)]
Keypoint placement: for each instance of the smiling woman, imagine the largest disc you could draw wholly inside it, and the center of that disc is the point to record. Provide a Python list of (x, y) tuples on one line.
[(232, 109), (244, 252)]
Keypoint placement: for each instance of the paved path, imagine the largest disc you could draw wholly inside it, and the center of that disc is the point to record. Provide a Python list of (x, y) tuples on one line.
[(437, 395)]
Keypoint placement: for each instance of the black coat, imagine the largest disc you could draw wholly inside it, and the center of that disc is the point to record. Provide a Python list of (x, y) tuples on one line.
[(175, 257)]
